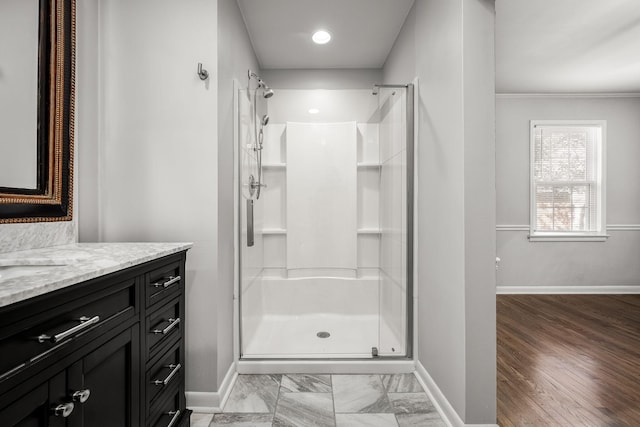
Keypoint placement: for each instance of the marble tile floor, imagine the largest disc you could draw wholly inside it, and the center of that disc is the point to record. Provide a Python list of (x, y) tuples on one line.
[(300, 400)]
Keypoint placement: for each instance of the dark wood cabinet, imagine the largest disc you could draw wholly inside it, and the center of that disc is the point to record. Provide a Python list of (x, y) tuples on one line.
[(105, 383), (33, 409), (107, 352)]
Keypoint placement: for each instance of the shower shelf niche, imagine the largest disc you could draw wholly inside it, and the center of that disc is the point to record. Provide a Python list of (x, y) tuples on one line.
[(274, 165), (274, 231), (368, 165), (368, 231)]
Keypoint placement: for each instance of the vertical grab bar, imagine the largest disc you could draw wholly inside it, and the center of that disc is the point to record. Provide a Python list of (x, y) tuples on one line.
[(250, 222)]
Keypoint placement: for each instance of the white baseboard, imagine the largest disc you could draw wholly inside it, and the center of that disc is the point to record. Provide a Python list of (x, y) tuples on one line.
[(622, 289), (203, 402), (436, 396), (227, 384), (448, 414), (212, 402)]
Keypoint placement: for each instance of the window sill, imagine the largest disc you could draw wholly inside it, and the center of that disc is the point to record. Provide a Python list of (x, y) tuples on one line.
[(568, 238)]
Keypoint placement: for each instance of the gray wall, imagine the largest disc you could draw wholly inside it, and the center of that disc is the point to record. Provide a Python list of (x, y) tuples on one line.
[(448, 45), (235, 56), (88, 118), (555, 264), (480, 210), (161, 168), (157, 150)]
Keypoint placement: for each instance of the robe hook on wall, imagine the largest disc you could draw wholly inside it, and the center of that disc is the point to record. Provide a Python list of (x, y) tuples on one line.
[(202, 73)]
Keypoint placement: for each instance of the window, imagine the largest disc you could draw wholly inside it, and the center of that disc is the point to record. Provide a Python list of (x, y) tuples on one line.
[(567, 180)]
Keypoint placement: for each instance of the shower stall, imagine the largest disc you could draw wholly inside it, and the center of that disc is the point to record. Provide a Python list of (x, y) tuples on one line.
[(325, 222)]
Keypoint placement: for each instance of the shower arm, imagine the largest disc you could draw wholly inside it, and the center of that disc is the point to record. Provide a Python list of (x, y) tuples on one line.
[(253, 75)]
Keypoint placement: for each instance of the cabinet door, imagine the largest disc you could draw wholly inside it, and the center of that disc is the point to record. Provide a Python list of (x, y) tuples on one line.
[(108, 378), (35, 408)]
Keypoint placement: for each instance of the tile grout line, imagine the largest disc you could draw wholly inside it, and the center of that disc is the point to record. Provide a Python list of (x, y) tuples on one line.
[(275, 408), (386, 391), (333, 402)]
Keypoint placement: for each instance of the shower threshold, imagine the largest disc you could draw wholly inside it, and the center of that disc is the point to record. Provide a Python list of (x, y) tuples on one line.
[(391, 365)]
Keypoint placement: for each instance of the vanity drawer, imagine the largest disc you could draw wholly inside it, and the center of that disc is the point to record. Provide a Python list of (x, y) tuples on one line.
[(164, 326), (171, 412), (163, 283), (35, 338), (164, 374)]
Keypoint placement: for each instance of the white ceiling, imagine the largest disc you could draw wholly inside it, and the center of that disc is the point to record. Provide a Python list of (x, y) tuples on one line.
[(363, 31), (541, 45), (567, 46)]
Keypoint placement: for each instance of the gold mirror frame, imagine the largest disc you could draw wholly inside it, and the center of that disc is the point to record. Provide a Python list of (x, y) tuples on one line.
[(52, 200)]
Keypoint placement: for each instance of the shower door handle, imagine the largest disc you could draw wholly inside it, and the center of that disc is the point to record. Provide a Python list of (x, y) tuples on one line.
[(250, 241)]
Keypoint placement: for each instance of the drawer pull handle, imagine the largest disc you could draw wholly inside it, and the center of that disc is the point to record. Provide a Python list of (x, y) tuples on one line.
[(174, 371), (171, 280), (173, 323), (174, 420), (81, 395), (85, 322), (63, 410)]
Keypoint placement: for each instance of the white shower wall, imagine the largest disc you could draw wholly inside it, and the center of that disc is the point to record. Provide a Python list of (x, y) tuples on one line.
[(334, 106), (321, 199)]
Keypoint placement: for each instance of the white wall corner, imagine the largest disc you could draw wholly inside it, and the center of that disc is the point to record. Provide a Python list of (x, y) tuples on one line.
[(213, 402), (448, 414)]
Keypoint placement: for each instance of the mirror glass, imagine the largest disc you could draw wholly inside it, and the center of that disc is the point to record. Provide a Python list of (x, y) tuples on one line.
[(19, 21), (37, 92)]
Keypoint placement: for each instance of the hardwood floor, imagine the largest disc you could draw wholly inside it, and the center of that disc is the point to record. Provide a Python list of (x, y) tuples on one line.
[(568, 360)]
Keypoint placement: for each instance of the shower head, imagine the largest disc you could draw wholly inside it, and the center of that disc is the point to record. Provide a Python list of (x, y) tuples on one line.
[(265, 120), (268, 92)]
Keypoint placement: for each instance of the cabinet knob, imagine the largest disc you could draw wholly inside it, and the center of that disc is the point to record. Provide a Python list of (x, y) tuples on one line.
[(81, 395), (63, 410)]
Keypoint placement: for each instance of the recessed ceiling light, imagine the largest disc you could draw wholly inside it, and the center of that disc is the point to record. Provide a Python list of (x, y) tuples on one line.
[(313, 111), (321, 37)]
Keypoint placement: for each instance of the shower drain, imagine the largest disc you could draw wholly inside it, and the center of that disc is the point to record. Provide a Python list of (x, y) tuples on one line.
[(323, 334)]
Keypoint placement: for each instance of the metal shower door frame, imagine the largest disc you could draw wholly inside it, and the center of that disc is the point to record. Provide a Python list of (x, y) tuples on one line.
[(410, 148)]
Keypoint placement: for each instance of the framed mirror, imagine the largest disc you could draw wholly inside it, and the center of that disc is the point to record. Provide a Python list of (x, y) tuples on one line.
[(37, 92)]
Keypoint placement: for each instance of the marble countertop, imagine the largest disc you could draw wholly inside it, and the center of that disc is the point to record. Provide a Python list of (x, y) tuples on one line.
[(29, 273)]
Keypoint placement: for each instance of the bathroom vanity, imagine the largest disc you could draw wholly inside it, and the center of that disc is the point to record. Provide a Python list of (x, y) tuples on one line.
[(93, 335)]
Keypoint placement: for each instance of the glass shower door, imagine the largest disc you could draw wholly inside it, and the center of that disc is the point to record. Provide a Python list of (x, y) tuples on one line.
[(396, 206), (327, 275)]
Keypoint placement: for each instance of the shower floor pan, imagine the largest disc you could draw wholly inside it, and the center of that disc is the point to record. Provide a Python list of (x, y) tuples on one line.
[(296, 337)]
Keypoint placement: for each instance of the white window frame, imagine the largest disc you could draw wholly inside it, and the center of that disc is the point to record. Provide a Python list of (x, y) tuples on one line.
[(600, 235)]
